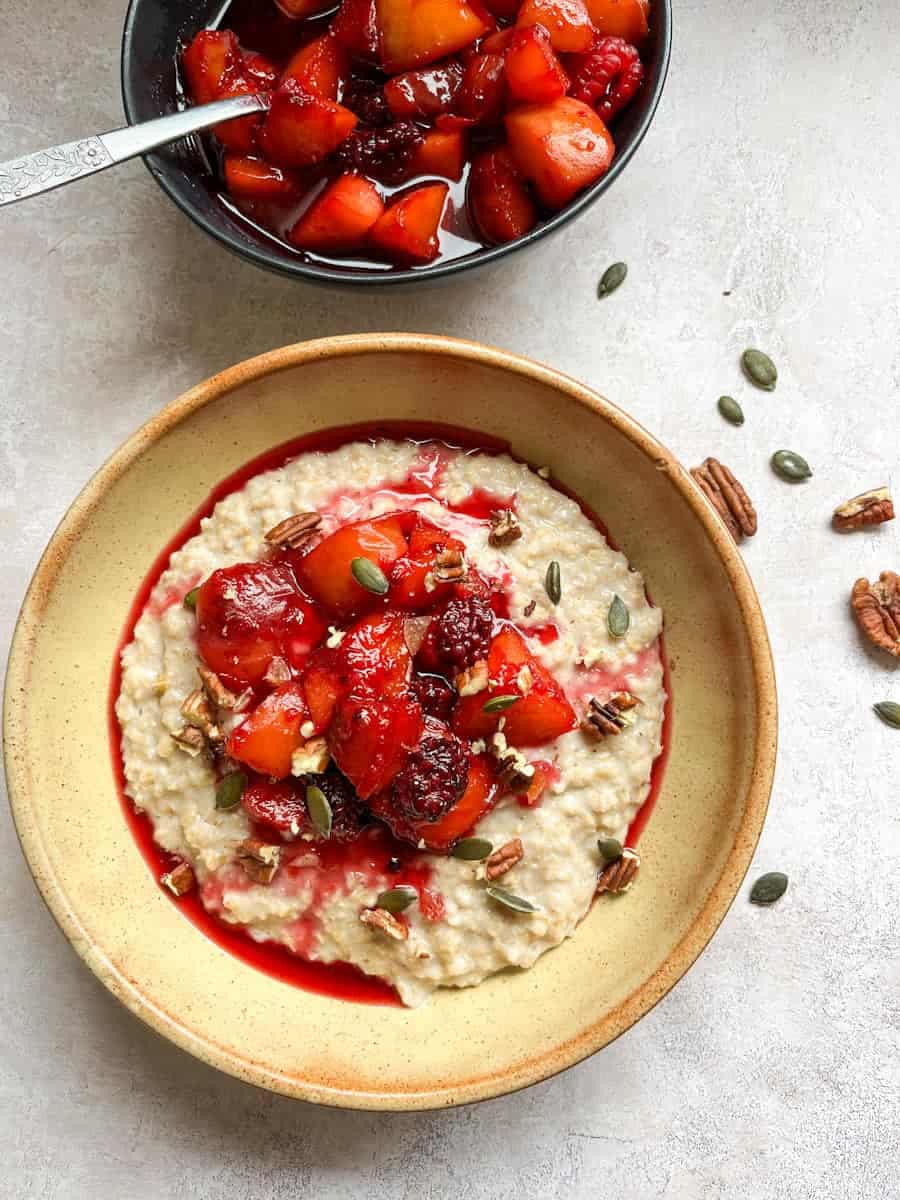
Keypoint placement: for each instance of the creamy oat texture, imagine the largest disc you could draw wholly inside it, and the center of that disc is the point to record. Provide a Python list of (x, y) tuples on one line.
[(600, 784)]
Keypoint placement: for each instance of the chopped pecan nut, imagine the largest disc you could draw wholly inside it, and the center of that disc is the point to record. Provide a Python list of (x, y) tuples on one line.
[(605, 719), (504, 859), (311, 757), (474, 680), (191, 740), (869, 508), (387, 923), (514, 771), (278, 671), (624, 701), (529, 608), (294, 531), (505, 527), (219, 695), (196, 710), (180, 880), (877, 609), (727, 497), (618, 876), (414, 631), (259, 859), (449, 566)]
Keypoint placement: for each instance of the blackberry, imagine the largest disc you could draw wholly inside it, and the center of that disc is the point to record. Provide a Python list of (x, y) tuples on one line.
[(384, 154), (462, 633), (348, 815), (366, 98), (433, 778), (435, 695)]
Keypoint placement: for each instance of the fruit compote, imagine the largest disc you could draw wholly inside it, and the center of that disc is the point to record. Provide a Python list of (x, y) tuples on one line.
[(404, 131)]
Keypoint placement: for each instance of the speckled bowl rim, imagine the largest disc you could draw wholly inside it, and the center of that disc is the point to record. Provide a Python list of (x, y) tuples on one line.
[(721, 896)]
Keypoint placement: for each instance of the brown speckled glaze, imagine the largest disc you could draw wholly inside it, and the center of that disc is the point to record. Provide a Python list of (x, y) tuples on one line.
[(515, 1028)]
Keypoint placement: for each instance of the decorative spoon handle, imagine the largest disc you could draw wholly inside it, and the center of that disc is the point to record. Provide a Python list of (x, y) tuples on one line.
[(44, 170)]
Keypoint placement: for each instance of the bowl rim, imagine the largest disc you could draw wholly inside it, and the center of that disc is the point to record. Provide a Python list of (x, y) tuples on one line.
[(321, 273), (705, 923)]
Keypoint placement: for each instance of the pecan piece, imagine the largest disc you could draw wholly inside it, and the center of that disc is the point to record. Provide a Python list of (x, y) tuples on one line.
[(505, 527), (191, 740), (180, 880), (293, 531), (277, 671), (877, 609), (869, 508), (514, 771), (474, 680), (387, 923), (449, 566), (618, 876), (504, 859), (219, 695), (259, 859), (311, 757), (605, 719), (727, 497)]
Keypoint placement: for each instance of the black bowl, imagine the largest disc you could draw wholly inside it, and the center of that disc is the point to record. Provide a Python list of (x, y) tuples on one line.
[(155, 31)]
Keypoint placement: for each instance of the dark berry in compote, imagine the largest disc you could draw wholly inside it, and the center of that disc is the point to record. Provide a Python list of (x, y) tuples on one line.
[(366, 98), (435, 695), (348, 815), (462, 632), (385, 154), (433, 777)]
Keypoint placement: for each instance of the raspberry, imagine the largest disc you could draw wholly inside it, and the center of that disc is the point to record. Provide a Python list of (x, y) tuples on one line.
[(462, 633), (433, 778), (435, 695), (366, 98), (384, 154), (348, 815), (608, 76)]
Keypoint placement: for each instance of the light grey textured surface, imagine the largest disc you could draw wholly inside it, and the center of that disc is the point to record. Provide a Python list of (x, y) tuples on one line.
[(772, 174)]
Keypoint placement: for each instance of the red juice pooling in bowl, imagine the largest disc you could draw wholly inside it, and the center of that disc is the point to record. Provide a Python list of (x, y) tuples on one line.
[(401, 133), (366, 684)]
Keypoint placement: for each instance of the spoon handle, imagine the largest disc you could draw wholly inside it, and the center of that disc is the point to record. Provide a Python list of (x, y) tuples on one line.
[(31, 174)]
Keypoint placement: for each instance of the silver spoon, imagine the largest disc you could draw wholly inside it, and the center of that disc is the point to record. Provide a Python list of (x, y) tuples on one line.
[(31, 174)]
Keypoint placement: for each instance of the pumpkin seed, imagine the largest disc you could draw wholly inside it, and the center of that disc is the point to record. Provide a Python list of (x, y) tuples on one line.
[(553, 582), (618, 618), (612, 277), (398, 898), (791, 466), (769, 888), (610, 848), (472, 849), (759, 369), (889, 711), (190, 600), (516, 903), (731, 410), (230, 789), (319, 810), (369, 575), (498, 703)]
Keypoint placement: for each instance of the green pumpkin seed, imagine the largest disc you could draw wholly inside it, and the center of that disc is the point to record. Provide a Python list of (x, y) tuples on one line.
[(319, 810), (498, 703), (472, 849), (396, 899), (230, 789), (516, 903), (791, 466), (190, 600), (369, 575), (731, 410), (612, 277), (759, 369), (769, 888), (610, 848), (553, 582), (618, 618), (889, 711)]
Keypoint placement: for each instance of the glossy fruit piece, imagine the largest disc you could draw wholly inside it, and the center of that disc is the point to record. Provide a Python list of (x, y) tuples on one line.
[(500, 204), (626, 19), (408, 230), (541, 715), (608, 76), (256, 68), (255, 179), (301, 129), (441, 153), (324, 686), (209, 62), (370, 740), (276, 803), (321, 67), (476, 801), (250, 613), (567, 22), (533, 72), (498, 41), (268, 737), (417, 32), (413, 586), (426, 92), (482, 96), (338, 221), (355, 26), (375, 657), (326, 574), (299, 9), (504, 10), (560, 147)]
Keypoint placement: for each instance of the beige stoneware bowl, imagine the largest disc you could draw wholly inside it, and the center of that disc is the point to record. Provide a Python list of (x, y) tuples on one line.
[(515, 1028)]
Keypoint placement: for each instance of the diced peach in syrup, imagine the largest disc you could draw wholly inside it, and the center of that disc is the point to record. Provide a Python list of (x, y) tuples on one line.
[(561, 147), (424, 93), (299, 9), (355, 26), (483, 93), (268, 737), (620, 18), (441, 153), (370, 740), (301, 129), (208, 61), (326, 571), (500, 204), (338, 221), (417, 32), (408, 230), (255, 179), (567, 21), (320, 67), (533, 73)]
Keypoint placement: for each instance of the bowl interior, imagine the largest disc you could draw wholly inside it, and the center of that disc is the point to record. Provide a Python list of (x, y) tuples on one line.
[(155, 32), (516, 1027)]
